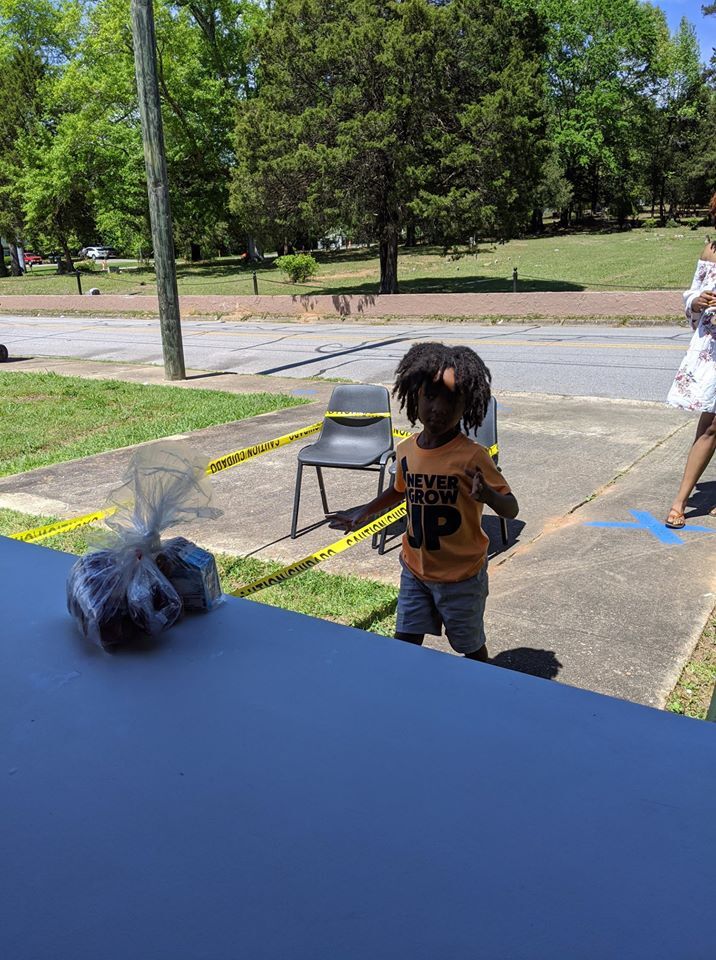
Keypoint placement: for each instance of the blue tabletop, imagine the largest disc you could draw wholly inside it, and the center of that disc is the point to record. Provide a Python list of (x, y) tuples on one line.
[(263, 785)]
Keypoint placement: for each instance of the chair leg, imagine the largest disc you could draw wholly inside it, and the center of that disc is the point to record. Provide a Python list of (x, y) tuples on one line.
[(504, 531), (296, 500), (322, 488), (377, 536), (381, 542)]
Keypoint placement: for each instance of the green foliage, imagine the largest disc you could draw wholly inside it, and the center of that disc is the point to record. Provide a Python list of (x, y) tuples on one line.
[(297, 266), (47, 418), (72, 168), (378, 117), (650, 223), (378, 113)]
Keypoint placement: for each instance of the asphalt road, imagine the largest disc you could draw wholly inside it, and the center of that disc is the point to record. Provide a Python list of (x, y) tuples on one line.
[(631, 363)]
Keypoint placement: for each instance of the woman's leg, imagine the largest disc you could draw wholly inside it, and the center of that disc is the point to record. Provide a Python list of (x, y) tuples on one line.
[(699, 457)]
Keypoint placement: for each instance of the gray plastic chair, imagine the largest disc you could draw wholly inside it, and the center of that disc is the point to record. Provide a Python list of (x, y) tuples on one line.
[(486, 436), (349, 443)]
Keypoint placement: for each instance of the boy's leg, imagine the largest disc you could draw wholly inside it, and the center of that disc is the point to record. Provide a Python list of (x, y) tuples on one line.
[(482, 655), (416, 614), (462, 608)]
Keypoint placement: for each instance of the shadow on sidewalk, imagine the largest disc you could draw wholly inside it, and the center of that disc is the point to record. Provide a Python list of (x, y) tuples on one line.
[(703, 501), (538, 663)]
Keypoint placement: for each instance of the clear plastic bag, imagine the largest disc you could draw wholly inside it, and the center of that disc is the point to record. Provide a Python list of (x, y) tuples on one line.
[(118, 591)]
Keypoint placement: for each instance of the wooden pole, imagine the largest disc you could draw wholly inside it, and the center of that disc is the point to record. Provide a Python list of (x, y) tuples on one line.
[(145, 67)]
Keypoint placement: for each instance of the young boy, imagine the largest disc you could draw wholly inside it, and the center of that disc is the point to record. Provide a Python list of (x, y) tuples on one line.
[(445, 479)]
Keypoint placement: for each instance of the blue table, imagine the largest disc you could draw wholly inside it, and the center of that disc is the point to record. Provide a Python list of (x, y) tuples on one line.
[(265, 786)]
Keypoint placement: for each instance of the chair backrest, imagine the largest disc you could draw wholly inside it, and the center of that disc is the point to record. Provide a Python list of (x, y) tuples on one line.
[(359, 398), (486, 433)]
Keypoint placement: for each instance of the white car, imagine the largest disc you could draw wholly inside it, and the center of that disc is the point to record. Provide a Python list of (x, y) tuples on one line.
[(98, 253)]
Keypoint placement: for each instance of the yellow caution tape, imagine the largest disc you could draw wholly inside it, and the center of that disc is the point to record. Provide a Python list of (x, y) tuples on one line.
[(349, 413), (300, 566), (225, 463), (256, 449), (61, 526)]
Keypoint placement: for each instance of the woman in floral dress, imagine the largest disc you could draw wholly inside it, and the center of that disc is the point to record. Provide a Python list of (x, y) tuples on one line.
[(694, 386)]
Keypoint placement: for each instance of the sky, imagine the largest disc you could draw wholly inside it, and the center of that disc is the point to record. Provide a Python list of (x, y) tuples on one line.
[(691, 9)]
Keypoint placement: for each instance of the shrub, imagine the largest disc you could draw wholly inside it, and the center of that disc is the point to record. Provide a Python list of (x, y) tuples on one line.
[(85, 266), (693, 223), (650, 223), (673, 223), (297, 266)]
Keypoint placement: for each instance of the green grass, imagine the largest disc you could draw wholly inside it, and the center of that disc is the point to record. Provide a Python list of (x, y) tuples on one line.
[(354, 601), (692, 694), (48, 418), (633, 259)]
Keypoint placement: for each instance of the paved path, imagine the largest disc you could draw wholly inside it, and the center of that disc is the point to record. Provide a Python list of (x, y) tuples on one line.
[(635, 363), (573, 303)]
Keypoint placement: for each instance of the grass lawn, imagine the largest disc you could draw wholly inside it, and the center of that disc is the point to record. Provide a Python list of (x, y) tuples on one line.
[(360, 603), (633, 260), (48, 418), (692, 694)]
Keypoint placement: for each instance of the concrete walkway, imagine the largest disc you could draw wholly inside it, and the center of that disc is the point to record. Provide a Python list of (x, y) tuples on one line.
[(616, 608), (595, 304)]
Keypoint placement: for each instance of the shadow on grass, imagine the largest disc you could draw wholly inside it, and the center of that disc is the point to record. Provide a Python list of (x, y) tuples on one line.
[(386, 609), (467, 284)]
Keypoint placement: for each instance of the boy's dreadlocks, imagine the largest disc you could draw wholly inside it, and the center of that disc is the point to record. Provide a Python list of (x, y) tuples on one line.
[(425, 362)]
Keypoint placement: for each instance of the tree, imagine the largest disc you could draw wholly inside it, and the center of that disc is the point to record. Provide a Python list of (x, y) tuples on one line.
[(72, 169), (602, 60), (677, 111), (370, 113)]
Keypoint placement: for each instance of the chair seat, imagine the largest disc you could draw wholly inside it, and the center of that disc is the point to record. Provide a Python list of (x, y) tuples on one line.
[(355, 454)]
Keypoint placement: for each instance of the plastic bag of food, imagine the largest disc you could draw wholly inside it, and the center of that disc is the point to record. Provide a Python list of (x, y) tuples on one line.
[(192, 572), (118, 592)]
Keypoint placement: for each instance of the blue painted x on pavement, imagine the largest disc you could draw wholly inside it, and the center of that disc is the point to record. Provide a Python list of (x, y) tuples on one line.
[(645, 521)]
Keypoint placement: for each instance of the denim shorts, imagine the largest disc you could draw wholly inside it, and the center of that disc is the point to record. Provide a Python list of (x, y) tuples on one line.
[(425, 606)]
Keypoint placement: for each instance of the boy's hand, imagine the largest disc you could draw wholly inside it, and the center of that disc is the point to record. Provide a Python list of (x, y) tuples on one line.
[(481, 489), (347, 519)]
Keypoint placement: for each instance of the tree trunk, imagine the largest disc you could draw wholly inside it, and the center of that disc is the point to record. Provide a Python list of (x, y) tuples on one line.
[(253, 249), (389, 258), (3, 265), (15, 268), (195, 252), (410, 240), (536, 223), (564, 217), (67, 266)]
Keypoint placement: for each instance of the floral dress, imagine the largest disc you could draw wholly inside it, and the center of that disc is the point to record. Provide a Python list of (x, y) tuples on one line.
[(694, 387)]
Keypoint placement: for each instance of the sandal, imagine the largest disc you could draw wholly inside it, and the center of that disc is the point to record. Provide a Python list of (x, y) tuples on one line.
[(678, 523)]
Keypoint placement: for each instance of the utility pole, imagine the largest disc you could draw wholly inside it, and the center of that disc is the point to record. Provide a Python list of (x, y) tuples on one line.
[(145, 68)]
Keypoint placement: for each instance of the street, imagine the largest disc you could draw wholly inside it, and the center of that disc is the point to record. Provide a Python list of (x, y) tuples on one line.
[(592, 361)]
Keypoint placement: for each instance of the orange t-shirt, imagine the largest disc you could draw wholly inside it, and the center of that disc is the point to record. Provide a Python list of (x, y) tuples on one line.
[(444, 540)]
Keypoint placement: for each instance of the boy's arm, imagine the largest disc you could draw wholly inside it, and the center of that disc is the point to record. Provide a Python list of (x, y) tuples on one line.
[(503, 504), (358, 516)]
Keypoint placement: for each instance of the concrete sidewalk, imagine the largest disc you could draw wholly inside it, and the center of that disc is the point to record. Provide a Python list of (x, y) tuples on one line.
[(591, 304), (615, 608)]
